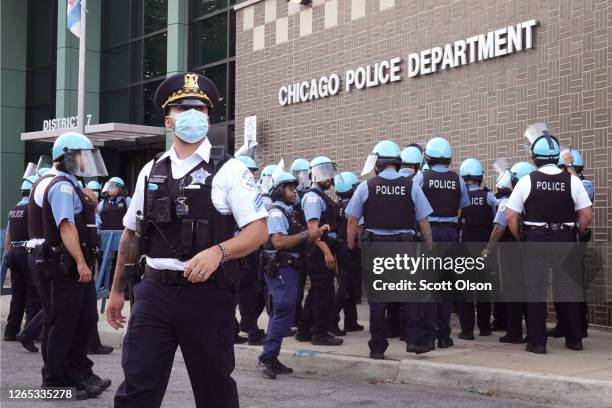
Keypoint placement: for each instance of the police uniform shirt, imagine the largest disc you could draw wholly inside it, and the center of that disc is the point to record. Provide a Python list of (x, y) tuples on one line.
[(64, 201), (523, 188), (465, 199), (233, 192), (421, 206), (588, 186), (277, 222), (491, 200), (313, 205), (500, 215)]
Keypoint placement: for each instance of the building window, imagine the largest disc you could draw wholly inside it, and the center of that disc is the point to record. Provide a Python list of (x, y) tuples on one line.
[(212, 52), (133, 60), (41, 63)]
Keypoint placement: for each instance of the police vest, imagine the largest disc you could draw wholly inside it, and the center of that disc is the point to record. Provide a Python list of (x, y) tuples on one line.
[(550, 199), (342, 221), (477, 216), (111, 216), (18, 223), (389, 204), (180, 219), (85, 221), (35, 224), (297, 208), (443, 191), (295, 227), (330, 215)]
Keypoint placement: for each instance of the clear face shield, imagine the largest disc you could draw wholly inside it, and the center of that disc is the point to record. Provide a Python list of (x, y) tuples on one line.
[(369, 165), (114, 189), (29, 171), (303, 179), (85, 163), (325, 171), (504, 177), (266, 184), (44, 161)]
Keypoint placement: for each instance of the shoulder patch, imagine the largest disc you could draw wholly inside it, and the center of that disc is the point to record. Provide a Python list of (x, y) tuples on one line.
[(258, 202), (247, 180), (275, 214), (66, 188), (312, 199)]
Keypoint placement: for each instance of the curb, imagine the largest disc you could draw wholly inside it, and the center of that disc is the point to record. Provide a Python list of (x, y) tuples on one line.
[(543, 388)]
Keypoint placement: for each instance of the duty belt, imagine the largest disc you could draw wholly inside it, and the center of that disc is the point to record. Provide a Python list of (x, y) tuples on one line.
[(18, 244), (550, 227), (169, 277), (368, 236), (445, 224)]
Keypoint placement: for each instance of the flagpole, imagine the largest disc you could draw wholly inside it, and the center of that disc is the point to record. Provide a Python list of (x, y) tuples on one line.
[(81, 88)]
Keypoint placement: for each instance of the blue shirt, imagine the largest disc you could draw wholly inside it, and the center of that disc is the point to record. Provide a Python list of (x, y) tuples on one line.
[(63, 199), (491, 200), (313, 205), (421, 206), (277, 222), (463, 202), (500, 216), (588, 186)]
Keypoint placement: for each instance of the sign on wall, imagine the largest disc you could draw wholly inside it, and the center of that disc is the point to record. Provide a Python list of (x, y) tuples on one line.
[(493, 44)]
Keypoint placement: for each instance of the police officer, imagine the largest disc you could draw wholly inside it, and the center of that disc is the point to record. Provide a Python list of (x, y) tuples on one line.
[(251, 290), (24, 297), (571, 160), (391, 206), (515, 311), (349, 261), (447, 194), (187, 205), (94, 186), (412, 158), (549, 199), (112, 209), (68, 220), (320, 261), (476, 225), (283, 253), (300, 168)]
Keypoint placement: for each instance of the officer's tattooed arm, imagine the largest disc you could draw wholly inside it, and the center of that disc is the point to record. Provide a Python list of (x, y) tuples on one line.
[(128, 254), (496, 234), (352, 229), (512, 217), (426, 232)]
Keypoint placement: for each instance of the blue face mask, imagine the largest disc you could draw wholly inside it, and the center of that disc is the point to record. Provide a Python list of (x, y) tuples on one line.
[(191, 126)]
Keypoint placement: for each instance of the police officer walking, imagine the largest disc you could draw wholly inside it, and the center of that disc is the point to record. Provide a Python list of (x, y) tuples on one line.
[(412, 158), (447, 194), (24, 296), (550, 201), (283, 254), (186, 207), (251, 289), (112, 209), (320, 261), (515, 311), (348, 292), (391, 206), (476, 225), (68, 220)]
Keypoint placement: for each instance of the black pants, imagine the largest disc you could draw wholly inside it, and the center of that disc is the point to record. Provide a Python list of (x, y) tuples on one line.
[(539, 260), (349, 270), (516, 311), (24, 296), (44, 292), (72, 318), (319, 305), (198, 318), (248, 301), (300, 295), (500, 315), (466, 316), (443, 309)]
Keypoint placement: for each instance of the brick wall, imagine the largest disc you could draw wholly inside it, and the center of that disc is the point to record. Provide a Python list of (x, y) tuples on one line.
[(482, 108)]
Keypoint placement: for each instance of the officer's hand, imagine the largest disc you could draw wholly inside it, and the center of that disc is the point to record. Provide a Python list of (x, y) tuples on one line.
[(84, 272), (485, 252), (330, 261), (90, 194), (113, 310), (201, 266)]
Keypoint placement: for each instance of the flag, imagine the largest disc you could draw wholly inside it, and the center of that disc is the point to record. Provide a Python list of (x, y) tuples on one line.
[(73, 17)]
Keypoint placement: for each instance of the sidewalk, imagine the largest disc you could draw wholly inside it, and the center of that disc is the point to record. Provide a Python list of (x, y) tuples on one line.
[(483, 366)]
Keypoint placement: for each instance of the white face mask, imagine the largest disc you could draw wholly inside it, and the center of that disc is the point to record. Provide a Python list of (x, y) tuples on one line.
[(406, 171)]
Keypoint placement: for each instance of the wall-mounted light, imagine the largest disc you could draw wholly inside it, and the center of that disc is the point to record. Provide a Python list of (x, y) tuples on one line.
[(302, 2)]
